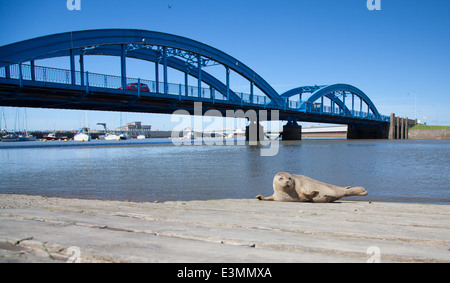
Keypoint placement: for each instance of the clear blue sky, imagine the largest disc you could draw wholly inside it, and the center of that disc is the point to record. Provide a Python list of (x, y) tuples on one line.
[(398, 56)]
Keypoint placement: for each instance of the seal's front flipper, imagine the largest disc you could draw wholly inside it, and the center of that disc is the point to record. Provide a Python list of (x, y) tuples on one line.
[(260, 197), (310, 195), (355, 191)]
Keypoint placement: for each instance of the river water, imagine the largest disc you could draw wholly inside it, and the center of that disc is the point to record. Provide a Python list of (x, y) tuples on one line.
[(390, 170)]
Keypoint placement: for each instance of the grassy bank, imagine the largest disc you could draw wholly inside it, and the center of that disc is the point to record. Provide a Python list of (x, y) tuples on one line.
[(428, 127)]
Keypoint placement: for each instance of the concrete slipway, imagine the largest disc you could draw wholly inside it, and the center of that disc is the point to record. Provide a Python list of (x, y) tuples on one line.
[(39, 229)]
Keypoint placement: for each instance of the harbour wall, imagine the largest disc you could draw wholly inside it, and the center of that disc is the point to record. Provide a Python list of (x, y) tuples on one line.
[(429, 134), (399, 127)]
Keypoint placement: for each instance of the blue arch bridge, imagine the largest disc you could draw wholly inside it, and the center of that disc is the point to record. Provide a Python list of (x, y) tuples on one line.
[(24, 83)]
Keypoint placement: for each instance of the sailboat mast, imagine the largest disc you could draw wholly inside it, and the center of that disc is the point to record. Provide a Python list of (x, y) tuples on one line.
[(4, 119)]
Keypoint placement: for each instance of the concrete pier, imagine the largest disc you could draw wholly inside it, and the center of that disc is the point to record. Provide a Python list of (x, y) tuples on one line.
[(399, 127), (392, 127), (292, 131), (40, 229)]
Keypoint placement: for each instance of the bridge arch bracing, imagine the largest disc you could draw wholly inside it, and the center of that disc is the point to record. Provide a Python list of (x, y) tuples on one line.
[(173, 62), (300, 90), (175, 51)]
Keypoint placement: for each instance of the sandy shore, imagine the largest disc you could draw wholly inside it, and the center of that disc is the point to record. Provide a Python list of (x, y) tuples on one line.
[(39, 229)]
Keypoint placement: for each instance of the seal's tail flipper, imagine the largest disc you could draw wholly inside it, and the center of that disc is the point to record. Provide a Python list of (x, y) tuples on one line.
[(355, 191)]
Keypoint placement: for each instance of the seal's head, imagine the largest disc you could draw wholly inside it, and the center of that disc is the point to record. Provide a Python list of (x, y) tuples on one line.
[(283, 180)]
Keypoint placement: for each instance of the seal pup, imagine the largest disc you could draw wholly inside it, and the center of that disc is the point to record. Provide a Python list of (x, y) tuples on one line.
[(300, 188)]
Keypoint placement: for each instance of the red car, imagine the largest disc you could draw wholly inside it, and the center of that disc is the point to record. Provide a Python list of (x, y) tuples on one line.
[(134, 86)]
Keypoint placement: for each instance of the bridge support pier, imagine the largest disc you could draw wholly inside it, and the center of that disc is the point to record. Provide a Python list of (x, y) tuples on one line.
[(292, 131), (355, 131), (254, 132)]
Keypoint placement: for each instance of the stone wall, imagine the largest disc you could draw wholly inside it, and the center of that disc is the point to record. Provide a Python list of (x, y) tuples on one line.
[(428, 134)]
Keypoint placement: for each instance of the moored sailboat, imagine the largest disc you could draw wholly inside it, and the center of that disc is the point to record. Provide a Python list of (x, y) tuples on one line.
[(82, 135)]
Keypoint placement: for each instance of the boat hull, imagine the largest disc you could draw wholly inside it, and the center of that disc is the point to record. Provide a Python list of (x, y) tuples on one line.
[(82, 137)]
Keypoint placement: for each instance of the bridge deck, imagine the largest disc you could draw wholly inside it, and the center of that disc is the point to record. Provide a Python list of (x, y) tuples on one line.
[(46, 87)]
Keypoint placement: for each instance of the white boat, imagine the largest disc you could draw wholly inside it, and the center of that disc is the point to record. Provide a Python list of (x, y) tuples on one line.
[(109, 136), (82, 135), (112, 137), (141, 137)]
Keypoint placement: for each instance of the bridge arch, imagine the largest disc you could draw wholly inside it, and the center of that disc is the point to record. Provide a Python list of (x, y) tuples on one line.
[(174, 51), (331, 92), (182, 54)]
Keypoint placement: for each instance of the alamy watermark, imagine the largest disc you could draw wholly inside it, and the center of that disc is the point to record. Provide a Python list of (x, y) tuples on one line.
[(375, 254), (255, 132), (75, 254), (76, 5), (373, 5), (73, 5)]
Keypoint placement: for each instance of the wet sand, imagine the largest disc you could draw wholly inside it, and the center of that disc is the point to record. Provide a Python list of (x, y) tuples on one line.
[(40, 229)]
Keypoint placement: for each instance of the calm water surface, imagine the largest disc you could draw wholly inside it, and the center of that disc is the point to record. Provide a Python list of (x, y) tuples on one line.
[(401, 171)]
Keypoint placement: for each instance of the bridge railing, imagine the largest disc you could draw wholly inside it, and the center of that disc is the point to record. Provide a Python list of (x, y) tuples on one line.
[(63, 76), (25, 72), (103, 81)]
